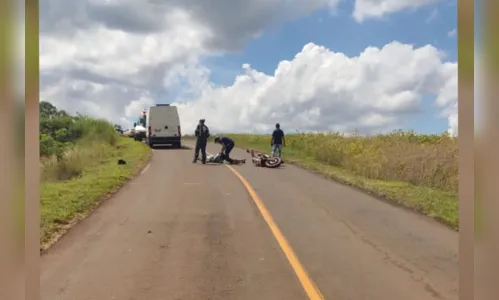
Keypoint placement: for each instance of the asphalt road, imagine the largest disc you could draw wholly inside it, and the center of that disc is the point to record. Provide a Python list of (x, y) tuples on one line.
[(192, 231)]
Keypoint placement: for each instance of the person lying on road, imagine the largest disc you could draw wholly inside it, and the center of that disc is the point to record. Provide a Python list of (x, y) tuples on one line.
[(227, 146)]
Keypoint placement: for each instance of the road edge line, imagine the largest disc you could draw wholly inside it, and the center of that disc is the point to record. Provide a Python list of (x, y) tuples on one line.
[(145, 169)]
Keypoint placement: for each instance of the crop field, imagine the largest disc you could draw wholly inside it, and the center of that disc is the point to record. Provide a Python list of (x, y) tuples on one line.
[(417, 171)]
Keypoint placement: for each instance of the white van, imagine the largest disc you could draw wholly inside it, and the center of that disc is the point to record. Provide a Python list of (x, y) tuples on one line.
[(163, 126)]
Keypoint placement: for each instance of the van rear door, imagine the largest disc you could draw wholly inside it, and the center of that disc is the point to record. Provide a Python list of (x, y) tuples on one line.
[(164, 121)]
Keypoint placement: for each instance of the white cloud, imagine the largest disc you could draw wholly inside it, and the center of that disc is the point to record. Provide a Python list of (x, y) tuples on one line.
[(134, 108), (365, 9), (433, 15), (115, 52), (452, 33), (447, 96), (113, 68), (324, 90), (108, 59)]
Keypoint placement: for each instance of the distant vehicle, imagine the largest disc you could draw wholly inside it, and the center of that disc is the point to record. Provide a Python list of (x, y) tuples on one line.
[(129, 133), (139, 128), (139, 132), (163, 126), (118, 129)]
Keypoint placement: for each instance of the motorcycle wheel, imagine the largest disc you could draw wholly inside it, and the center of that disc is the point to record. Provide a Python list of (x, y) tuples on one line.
[(273, 162)]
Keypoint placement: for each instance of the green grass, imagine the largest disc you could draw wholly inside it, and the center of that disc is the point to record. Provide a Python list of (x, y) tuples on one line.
[(91, 173), (423, 176)]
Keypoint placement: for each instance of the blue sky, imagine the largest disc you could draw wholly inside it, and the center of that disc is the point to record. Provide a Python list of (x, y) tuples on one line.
[(141, 57), (341, 33)]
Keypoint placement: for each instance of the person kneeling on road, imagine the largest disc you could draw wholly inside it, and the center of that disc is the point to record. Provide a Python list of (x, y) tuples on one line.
[(227, 146)]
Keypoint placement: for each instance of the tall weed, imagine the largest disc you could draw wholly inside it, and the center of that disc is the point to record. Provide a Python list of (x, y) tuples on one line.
[(73, 161), (94, 130), (69, 143), (425, 160)]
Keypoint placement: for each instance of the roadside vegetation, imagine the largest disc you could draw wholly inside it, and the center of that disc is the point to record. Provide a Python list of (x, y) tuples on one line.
[(417, 171), (79, 168)]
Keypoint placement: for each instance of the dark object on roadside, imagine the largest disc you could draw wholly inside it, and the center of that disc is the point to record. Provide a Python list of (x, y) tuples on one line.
[(202, 134), (121, 162), (264, 160)]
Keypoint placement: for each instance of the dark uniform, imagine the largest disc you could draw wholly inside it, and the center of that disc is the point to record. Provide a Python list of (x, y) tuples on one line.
[(228, 146), (277, 141), (202, 134)]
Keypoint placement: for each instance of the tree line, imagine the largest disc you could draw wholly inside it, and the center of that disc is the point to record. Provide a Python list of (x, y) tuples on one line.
[(59, 130)]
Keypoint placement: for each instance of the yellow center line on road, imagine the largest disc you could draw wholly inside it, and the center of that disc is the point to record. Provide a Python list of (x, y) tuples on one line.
[(305, 280), (308, 285)]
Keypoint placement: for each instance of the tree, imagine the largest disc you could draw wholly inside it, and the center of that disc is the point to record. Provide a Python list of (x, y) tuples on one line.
[(48, 146), (62, 113), (61, 135), (47, 110)]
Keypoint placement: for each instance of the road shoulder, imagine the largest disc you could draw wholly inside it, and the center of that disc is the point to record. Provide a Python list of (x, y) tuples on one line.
[(66, 203)]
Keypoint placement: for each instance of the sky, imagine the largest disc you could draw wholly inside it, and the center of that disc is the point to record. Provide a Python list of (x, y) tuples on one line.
[(369, 66)]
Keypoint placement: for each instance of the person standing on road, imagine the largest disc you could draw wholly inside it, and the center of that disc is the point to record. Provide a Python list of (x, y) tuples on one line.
[(202, 134), (278, 140)]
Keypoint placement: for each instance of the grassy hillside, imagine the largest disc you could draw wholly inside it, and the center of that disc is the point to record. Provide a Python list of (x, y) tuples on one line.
[(417, 171), (79, 167)]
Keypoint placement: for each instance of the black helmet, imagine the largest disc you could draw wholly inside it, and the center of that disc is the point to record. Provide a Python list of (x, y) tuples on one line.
[(201, 121), (217, 139)]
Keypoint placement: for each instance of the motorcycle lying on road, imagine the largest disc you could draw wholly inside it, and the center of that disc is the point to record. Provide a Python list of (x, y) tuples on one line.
[(258, 159), (264, 160)]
